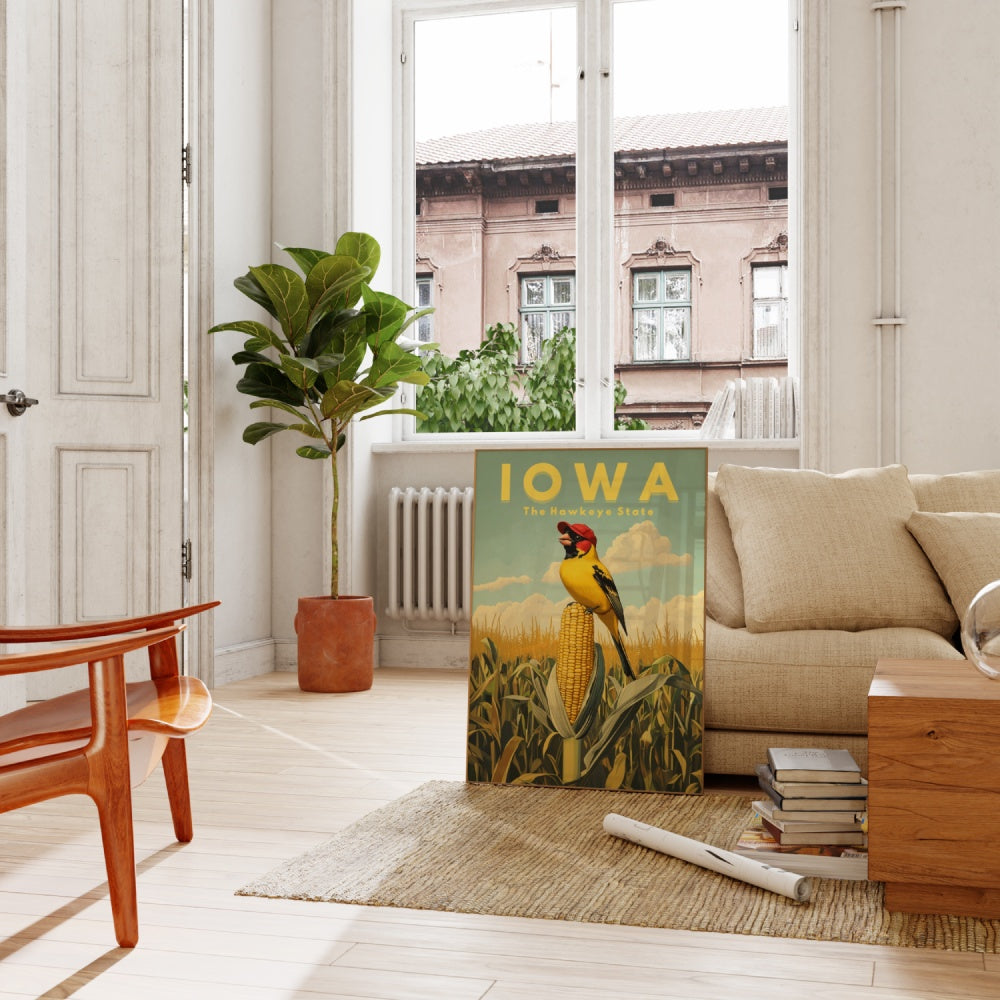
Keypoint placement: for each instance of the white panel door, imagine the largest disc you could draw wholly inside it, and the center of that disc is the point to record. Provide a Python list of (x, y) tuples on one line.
[(100, 457)]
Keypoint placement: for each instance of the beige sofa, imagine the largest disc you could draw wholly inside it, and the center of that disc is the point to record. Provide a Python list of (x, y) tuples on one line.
[(811, 578)]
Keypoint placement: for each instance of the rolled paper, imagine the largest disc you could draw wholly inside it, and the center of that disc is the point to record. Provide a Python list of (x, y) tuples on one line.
[(715, 859)]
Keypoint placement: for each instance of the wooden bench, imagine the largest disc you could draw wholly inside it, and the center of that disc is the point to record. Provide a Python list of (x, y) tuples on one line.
[(106, 739)]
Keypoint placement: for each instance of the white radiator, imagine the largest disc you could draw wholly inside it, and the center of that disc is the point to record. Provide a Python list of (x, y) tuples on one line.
[(430, 553)]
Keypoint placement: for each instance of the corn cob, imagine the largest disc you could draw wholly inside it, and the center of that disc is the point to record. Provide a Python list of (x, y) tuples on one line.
[(575, 658)]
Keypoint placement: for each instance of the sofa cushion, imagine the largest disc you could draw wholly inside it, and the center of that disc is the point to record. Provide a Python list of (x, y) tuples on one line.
[(820, 551), (975, 491), (809, 681), (964, 549), (723, 583)]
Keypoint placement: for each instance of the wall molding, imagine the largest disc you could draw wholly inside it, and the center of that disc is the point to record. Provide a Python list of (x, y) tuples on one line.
[(809, 225), (888, 320)]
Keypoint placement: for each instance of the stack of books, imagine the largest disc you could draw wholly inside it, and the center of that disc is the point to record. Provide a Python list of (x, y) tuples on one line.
[(813, 815)]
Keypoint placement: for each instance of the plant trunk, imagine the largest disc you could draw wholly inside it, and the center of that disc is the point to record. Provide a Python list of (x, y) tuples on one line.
[(334, 513)]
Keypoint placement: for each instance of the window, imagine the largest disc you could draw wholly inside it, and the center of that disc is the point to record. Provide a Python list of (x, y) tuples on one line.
[(548, 305), (558, 158), (770, 311), (425, 297), (661, 315)]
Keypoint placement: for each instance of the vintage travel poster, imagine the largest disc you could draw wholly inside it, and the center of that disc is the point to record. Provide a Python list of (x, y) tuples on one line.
[(588, 618)]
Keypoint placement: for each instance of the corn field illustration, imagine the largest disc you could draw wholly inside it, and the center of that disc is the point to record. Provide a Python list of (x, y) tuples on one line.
[(565, 719)]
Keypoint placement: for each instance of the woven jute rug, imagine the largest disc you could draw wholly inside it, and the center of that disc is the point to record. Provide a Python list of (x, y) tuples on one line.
[(541, 852)]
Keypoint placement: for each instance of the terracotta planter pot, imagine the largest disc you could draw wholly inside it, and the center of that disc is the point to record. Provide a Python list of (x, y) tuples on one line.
[(336, 643)]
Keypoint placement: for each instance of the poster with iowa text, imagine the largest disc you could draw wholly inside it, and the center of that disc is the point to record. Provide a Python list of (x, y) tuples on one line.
[(588, 620)]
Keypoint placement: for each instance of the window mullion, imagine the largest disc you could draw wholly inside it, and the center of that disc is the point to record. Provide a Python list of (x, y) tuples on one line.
[(595, 223)]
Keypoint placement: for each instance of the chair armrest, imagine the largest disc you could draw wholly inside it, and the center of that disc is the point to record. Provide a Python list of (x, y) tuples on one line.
[(92, 652), (93, 630)]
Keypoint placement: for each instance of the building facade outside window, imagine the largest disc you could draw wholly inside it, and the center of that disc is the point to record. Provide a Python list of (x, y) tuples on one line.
[(661, 315), (770, 311), (548, 305)]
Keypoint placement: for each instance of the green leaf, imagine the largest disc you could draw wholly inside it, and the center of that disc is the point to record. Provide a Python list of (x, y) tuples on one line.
[(346, 399), (335, 283), (412, 318), (278, 405), (557, 710), (308, 451), (287, 293), (251, 358), (340, 337), (302, 371), (392, 365), (384, 316), (257, 331), (250, 287), (363, 248), (269, 382), (419, 414), (500, 772), (305, 259), (594, 696), (310, 430), (259, 431)]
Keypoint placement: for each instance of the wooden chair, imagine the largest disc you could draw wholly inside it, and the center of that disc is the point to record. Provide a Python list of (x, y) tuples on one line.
[(106, 739)]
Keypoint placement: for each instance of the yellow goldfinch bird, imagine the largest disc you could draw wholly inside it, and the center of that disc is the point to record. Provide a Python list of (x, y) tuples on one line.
[(590, 584)]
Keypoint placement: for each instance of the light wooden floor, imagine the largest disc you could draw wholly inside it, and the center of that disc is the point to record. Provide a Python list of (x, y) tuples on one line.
[(274, 773)]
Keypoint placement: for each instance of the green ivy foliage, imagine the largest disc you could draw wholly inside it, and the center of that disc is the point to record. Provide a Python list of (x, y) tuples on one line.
[(489, 390)]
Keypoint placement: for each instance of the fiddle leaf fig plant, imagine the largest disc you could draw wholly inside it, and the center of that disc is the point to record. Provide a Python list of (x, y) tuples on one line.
[(332, 355)]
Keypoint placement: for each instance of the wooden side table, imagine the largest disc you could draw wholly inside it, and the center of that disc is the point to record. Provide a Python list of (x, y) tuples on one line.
[(934, 787)]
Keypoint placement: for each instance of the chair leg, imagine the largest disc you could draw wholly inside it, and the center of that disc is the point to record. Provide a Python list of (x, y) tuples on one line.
[(115, 812), (176, 775), (110, 788)]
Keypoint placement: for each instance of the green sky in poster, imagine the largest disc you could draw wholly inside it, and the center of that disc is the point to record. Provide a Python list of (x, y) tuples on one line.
[(646, 507)]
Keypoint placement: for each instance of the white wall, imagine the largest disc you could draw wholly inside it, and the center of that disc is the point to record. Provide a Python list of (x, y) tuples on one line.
[(298, 525), (949, 214), (242, 231)]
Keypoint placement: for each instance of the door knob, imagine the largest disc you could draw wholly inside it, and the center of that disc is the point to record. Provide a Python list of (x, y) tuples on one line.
[(17, 402)]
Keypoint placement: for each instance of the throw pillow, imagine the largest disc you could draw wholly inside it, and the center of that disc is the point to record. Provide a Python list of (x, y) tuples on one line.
[(723, 583), (830, 551), (975, 491), (964, 548)]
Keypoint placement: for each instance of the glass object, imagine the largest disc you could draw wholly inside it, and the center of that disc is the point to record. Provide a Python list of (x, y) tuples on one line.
[(981, 630)]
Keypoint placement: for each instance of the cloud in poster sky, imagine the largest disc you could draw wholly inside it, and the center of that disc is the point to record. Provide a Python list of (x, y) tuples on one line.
[(511, 616), (500, 582), (641, 547)]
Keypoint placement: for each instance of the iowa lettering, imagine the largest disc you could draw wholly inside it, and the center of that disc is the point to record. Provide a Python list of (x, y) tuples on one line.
[(543, 482)]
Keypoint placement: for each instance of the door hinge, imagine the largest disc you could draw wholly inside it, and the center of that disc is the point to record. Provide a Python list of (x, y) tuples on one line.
[(187, 560), (186, 164)]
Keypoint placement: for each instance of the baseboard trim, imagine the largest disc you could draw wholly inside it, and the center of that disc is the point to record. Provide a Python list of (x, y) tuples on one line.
[(243, 660), (414, 650)]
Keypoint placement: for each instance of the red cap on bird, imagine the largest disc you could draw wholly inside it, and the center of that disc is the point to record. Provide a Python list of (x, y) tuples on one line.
[(578, 529)]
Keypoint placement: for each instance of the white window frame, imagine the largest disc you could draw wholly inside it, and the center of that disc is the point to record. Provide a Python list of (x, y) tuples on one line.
[(595, 264)]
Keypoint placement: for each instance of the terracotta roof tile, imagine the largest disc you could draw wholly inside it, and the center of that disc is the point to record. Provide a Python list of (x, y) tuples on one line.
[(687, 130)]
